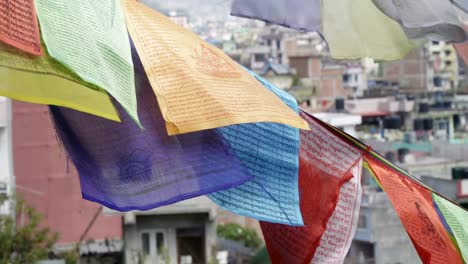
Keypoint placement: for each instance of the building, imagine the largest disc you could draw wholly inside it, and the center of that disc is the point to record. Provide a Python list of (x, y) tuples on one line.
[(184, 232), (343, 121), (47, 181), (431, 68), (380, 237), (180, 18), (270, 47), (445, 63), (7, 181), (413, 74), (280, 75), (355, 79)]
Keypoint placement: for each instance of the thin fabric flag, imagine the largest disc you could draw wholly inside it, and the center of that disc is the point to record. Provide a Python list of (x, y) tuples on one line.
[(125, 168), (18, 25), (297, 14), (356, 29), (415, 207), (462, 4), (90, 38), (434, 19), (42, 80), (270, 152), (326, 164), (341, 227), (197, 85), (462, 49), (455, 216)]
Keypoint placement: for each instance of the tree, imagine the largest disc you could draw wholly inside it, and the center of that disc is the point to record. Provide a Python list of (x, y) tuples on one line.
[(239, 233), (26, 242)]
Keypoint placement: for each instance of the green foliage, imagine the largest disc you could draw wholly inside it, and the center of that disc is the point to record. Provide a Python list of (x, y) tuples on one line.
[(261, 257), (239, 233), (296, 81), (164, 254), (26, 242), (71, 257)]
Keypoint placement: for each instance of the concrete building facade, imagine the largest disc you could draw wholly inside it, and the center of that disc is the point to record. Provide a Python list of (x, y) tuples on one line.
[(47, 181), (7, 181)]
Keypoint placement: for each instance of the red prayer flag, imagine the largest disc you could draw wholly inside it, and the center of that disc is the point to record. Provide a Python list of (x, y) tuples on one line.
[(414, 205), (18, 25), (325, 163)]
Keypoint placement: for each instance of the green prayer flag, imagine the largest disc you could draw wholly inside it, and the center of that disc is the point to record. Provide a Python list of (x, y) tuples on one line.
[(90, 38), (457, 219)]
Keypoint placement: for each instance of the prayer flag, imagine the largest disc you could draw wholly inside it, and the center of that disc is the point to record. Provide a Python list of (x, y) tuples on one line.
[(42, 80), (89, 37), (18, 25), (297, 14), (125, 168), (271, 154), (326, 163), (198, 86), (414, 205), (356, 29), (434, 19)]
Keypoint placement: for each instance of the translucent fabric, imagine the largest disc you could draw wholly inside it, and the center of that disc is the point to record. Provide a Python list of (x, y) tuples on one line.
[(434, 19), (125, 168), (415, 207), (270, 152), (356, 29), (326, 163), (297, 14)]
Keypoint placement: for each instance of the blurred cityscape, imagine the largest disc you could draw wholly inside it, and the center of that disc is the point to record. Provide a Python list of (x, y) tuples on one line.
[(413, 111)]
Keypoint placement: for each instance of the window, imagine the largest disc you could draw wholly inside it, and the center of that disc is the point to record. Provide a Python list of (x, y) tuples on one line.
[(346, 77), (362, 223), (356, 77), (448, 52), (159, 241), (448, 63), (260, 57), (145, 243), (153, 242), (435, 42)]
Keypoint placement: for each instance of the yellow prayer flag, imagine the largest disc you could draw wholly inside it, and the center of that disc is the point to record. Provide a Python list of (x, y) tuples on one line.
[(42, 80), (198, 86), (357, 28)]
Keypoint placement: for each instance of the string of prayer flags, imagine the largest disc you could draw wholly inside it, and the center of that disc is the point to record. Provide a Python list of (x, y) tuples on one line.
[(434, 19), (297, 14), (456, 218), (271, 154), (356, 29), (124, 168), (42, 80), (341, 227), (198, 86), (326, 164), (18, 25), (415, 207), (89, 37)]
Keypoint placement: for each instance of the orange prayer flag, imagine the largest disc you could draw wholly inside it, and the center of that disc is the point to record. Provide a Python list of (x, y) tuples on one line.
[(414, 205), (18, 25)]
